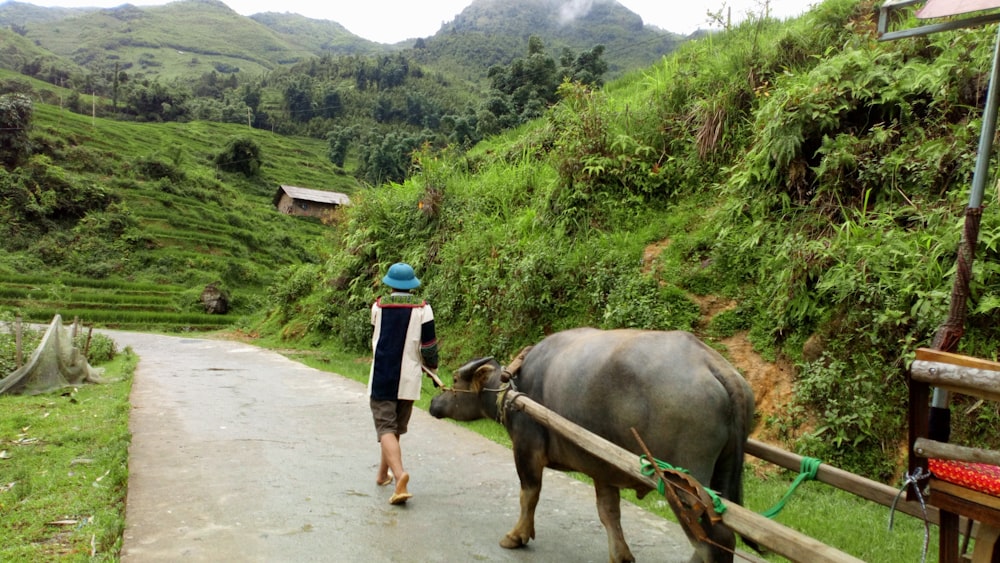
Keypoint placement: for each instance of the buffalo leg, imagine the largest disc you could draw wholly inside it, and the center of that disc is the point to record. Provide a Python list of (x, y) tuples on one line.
[(609, 510), (530, 465)]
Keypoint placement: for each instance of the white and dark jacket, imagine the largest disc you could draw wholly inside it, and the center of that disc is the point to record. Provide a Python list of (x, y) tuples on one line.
[(402, 340)]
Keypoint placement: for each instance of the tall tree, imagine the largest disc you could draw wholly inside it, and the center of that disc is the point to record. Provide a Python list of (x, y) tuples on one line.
[(340, 141), (298, 99), (524, 89), (331, 104), (588, 68), (15, 120)]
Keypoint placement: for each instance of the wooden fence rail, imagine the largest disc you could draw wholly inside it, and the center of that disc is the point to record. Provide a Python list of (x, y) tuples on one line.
[(778, 538), (854, 484)]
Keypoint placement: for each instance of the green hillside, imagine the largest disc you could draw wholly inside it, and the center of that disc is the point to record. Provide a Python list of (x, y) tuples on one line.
[(125, 224), (319, 37), (197, 60), (796, 186), (186, 38), (22, 55)]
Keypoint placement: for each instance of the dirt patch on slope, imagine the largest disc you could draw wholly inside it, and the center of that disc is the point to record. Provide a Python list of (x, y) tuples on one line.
[(650, 254), (771, 381)]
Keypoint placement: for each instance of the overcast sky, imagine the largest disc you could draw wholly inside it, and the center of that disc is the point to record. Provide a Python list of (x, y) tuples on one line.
[(390, 21)]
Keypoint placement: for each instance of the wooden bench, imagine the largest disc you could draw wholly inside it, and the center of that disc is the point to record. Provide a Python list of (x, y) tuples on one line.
[(976, 498)]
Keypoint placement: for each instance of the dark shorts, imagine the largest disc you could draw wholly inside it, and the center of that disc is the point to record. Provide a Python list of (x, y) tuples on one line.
[(391, 417)]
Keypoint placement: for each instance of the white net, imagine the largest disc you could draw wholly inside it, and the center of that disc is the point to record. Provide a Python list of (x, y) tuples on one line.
[(55, 364)]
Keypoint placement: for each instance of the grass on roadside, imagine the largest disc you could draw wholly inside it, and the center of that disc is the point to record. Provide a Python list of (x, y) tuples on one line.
[(64, 470)]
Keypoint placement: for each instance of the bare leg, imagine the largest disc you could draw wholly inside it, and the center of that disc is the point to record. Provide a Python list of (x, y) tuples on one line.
[(388, 451), (392, 459)]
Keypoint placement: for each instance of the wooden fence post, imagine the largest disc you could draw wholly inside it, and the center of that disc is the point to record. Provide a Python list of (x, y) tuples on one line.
[(86, 346), (18, 354)]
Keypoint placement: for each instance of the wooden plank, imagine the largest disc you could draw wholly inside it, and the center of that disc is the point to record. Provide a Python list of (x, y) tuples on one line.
[(918, 416), (986, 544), (948, 538), (931, 355), (925, 447), (854, 484), (782, 540), (961, 500), (968, 380), (977, 497), (772, 535), (613, 454)]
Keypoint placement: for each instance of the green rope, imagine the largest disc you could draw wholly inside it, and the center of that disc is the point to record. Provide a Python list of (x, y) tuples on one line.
[(807, 471), (648, 470)]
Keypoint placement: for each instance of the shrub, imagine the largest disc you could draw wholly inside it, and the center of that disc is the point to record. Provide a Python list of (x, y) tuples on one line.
[(728, 323), (155, 168), (100, 349), (241, 155), (292, 285), (8, 342), (638, 302), (861, 404)]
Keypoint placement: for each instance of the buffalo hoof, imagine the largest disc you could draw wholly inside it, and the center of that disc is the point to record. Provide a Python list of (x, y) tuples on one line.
[(622, 556), (512, 542)]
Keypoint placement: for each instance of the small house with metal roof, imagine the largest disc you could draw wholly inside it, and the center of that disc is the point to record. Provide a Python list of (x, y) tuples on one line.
[(293, 200)]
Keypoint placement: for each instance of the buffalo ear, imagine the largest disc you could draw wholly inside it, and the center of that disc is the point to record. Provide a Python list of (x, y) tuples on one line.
[(467, 372), (483, 373)]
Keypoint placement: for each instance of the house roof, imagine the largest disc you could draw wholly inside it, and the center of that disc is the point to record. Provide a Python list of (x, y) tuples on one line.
[(943, 8), (318, 196)]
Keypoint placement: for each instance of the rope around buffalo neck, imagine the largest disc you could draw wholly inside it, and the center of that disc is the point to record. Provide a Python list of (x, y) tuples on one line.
[(501, 397), (502, 400)]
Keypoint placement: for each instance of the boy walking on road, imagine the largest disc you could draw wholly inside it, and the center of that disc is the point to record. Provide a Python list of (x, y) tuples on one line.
[(403, 340)]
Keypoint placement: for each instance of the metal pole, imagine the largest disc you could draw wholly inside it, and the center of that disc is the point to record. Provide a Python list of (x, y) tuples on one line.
[(940, 416), (987, 133)]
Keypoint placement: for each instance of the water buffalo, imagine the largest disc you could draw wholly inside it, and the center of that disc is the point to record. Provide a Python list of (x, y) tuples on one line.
[(690, 406)]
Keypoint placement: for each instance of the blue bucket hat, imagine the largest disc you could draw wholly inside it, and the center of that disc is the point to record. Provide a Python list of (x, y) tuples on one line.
[(401, 276)]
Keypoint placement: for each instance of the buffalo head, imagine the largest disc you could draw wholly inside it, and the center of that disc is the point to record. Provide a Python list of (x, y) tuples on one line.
[(464, 400)]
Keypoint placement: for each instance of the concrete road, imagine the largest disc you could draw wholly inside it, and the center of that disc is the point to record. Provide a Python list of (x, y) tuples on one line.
[(239, 454)]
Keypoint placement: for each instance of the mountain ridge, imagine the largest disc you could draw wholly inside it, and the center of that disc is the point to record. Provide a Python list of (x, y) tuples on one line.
[(160, 40)]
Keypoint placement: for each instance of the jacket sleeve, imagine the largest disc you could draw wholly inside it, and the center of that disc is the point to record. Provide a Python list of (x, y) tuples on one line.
[(428, 340)]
